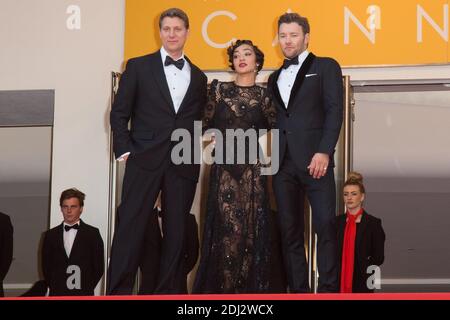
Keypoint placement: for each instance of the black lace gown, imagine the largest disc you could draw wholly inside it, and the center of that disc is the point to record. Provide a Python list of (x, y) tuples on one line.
[(235, 251)]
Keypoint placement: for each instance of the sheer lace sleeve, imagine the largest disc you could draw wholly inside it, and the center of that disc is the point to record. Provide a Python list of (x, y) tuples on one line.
[(210, 107), (269, 111)]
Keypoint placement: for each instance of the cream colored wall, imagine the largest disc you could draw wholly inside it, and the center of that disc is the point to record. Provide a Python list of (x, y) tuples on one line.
[(38, 51), (426, 72)]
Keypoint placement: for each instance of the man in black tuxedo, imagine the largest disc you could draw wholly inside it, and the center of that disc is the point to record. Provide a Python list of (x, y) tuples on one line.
[(72, 253), (160, 92), (6, 248), (308, 93)]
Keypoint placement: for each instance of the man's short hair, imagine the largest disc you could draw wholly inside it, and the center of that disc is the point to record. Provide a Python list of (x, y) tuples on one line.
[(172, 13), (294, 17), (72, 193)]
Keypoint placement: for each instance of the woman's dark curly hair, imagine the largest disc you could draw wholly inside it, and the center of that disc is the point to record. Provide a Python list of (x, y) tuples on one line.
[(258, 53)]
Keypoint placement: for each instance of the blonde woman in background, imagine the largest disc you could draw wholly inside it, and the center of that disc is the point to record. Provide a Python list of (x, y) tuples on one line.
[(360, 239)]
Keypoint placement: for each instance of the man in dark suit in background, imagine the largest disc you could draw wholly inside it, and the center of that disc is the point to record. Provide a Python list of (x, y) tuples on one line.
[(72, 253), (159, 93), (151, 251), (6, 248), (308, 93)]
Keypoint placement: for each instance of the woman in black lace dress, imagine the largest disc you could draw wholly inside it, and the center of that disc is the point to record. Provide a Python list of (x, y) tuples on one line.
[(235, 251)]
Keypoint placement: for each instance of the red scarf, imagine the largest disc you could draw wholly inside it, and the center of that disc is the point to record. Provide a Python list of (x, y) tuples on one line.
[(348, 252)]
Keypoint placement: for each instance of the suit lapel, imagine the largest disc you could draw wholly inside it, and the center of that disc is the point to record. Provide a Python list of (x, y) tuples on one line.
[(157, 70), (275, 89), (77, 240), (340, 233), (60, 240), (192, 82), (300, 77), (361, 230)]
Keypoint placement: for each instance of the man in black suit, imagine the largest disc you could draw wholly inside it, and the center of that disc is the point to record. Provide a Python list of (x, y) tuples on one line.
[(308, 93), (159, 93), (72, 253), (151, 251), (6, 248)]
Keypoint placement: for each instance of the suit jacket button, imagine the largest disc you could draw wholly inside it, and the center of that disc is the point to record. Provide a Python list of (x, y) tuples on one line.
[(284, 131), (288, 114)]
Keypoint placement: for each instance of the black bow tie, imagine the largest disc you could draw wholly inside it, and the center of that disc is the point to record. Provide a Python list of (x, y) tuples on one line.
[(179, 63), (289, 62), (75, 226)]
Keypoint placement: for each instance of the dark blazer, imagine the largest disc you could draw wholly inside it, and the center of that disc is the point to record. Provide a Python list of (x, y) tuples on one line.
[(312, 121), (39, 289), (87, 253), (151, 251), (143, 98), (369, 248), (6, 247)]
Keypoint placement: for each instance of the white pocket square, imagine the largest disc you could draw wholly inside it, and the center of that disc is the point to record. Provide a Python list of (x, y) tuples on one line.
[(310, 75)]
